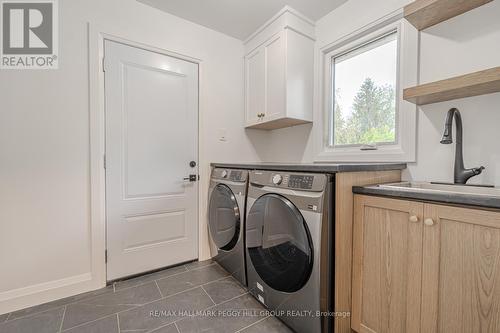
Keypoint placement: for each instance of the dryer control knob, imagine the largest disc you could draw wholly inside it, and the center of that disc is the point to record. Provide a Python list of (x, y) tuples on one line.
[(277, 179), (224, 174)]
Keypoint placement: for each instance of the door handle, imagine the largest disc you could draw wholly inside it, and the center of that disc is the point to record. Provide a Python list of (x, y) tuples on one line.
[(191, 178)]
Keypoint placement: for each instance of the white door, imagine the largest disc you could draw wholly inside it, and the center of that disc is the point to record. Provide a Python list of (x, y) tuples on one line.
[(151, 139)]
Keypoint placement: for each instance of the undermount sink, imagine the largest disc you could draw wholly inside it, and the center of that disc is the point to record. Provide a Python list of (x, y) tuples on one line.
[(425, 187)]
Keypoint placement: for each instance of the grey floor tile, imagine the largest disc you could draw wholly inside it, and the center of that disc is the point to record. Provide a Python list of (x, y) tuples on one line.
[(165, 311), (223, 290), (199, 264), (228, 317), (59, 303), (166, 329), (44, 322), (100, 292), (131, 296), (270, 324), (105, 325), (4, 317), (81, 313), (149, 277), (187, 280)]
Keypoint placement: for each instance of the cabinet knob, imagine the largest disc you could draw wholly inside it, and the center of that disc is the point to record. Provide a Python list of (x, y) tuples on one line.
[(413, 218), (429, 222)]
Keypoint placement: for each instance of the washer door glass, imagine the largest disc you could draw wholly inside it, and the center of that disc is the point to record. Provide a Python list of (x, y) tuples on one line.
[(224, 217), (279, 243)]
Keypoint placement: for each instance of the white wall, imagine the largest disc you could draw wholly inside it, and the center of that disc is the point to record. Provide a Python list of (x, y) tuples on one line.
[(44, 143), (465, 44), (461, 45)]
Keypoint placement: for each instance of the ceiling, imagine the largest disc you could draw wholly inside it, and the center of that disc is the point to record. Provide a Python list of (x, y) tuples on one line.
[(240, 18)]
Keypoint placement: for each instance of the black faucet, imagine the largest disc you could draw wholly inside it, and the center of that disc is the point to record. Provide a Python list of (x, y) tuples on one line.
[(462, 174)]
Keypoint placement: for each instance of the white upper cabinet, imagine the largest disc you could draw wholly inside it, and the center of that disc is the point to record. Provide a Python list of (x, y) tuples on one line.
[(279, 69)]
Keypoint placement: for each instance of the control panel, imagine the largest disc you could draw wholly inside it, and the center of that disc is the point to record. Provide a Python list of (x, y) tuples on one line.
[(312, 182), (301, 182), (292, 181), (236, 175)]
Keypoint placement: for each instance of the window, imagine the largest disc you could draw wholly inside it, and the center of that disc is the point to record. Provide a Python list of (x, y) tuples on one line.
[(364, 94), (364, 117)]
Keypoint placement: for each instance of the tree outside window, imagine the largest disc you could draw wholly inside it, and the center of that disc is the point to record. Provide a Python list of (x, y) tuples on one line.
[(364, 108)]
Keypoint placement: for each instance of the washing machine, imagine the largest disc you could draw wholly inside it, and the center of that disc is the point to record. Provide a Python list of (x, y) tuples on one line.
[(226, 219), (289, 245)]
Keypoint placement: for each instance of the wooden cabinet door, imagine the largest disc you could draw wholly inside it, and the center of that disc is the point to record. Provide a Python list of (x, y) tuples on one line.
[(255, 76), (387, 261), (461, 270)]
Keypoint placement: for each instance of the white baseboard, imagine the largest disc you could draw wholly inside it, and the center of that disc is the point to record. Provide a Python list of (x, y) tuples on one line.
[(21, 298)]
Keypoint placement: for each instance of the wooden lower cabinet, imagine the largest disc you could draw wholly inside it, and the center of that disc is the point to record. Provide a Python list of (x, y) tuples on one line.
[(420, 267), (461, 270), (387, 257)]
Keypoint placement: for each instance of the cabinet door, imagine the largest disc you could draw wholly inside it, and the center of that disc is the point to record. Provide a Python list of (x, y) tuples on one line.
[(461, 270), (275, 77), (387, 253), (255, 85)]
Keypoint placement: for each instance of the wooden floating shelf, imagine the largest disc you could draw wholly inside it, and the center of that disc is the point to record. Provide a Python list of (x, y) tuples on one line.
[(474, 84), (426, 13)]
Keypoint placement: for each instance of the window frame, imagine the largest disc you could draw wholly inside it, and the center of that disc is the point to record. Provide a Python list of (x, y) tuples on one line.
[(404, 148)]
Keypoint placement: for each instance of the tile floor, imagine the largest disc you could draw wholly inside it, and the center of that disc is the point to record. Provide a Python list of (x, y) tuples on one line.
[(195, 297)]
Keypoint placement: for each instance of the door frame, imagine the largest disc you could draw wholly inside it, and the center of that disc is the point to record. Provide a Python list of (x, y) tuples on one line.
[(97, 136)]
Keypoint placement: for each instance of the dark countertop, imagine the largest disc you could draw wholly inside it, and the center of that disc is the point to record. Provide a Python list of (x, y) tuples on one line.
[(314, 167), (447, 198)]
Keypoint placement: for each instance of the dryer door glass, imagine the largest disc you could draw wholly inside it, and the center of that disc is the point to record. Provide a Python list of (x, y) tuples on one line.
[(224, 217), (279, 243)]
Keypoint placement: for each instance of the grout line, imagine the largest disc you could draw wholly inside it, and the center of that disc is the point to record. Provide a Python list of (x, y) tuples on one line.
[(258, 321), (146, 282), (159, 290), (81, 301), (183, 318), (189, 289), (62, 319), (92, 321), (118, 322), (180, 292), (208, 295), (117, 304), (34, 313), (194, 268)]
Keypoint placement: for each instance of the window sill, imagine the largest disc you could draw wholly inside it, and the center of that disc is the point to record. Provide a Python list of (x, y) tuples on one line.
[(382, 154)]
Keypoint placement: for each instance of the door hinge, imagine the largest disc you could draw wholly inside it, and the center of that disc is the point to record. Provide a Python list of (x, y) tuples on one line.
[(103, 65), (106, 256), (104, 161)]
